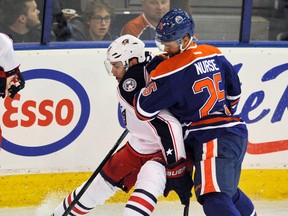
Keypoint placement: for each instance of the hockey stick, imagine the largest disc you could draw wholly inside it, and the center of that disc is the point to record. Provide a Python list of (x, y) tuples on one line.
[(89, 181), (186, 210)]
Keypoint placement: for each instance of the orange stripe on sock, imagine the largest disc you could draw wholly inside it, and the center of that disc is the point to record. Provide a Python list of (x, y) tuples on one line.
[(209, 185)]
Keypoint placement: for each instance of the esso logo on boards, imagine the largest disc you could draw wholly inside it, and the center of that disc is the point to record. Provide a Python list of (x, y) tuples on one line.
[(51, 117)]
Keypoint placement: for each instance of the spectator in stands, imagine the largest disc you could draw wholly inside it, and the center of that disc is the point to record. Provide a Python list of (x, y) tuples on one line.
[(20, 20), (71, 4), (283, 36), (144, 25), (182, 4), (94, 24), (60, 27)]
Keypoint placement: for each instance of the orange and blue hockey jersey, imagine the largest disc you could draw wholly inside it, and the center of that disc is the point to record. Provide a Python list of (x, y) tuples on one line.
[(200, 87)]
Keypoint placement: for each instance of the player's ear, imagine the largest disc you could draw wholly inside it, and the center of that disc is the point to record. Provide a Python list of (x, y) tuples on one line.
[(185, 40), (133, 61)]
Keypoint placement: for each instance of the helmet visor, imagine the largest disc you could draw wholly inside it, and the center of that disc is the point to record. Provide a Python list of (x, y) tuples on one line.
[(160, 45), (169, 45), (108, 67)]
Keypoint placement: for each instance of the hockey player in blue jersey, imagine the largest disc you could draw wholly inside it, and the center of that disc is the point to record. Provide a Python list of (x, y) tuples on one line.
[(201, 88)]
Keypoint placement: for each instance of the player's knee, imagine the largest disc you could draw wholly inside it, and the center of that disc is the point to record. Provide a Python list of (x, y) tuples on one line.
[(152, 177), (99, 191), (243, 203), (218, 204)]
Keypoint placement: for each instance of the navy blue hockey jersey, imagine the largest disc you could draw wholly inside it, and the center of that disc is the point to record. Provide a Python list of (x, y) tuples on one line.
[(200, 87), (163, 133)]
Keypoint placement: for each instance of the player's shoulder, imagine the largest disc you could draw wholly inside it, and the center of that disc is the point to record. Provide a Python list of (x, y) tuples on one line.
[(165, 68), (132, 82), (136, 70), (6, 43), (5, 39), (209, 49)]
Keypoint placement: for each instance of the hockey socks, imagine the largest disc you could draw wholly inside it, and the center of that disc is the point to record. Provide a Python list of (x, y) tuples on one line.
[(243, 204), (149, 186), (219, 204), (96, 194), (141, 202)]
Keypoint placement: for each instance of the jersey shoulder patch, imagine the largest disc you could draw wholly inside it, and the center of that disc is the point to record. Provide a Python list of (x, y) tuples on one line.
[(132, 82), (129, 85)]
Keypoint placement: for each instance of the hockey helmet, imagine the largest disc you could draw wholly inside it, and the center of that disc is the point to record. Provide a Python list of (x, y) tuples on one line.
[(174, 25), (123, 49)]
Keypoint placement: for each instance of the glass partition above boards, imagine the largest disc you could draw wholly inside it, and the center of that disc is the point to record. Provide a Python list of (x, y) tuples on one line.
[(215, 20), (22, 20), (104, 20), (270, 20)]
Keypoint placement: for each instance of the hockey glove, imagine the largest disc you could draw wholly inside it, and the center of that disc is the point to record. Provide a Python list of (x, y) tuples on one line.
[(153, 63), (2, 83), (179, 179), (17, 83)]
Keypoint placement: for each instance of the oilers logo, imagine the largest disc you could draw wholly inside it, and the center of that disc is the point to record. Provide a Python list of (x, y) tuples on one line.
[(178, 19)]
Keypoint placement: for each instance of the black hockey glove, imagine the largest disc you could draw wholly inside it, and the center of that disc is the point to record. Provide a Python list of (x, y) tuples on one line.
[(2, 83), (153, 63), (17, 84), (179, 179)]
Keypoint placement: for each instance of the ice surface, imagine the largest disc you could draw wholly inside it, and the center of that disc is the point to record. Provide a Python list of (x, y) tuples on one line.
[(263, 208)]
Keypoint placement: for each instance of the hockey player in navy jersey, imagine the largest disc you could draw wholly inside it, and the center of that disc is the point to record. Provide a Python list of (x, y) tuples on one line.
[(155, 151), (199, 86)]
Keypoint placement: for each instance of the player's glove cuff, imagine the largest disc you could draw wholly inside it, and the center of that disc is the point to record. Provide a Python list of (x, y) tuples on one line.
[(179, 179), (17, 83)]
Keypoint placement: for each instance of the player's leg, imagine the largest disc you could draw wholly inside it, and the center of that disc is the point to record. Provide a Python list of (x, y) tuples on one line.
[(150, 185), (112, 177), (243, 204), (217, 173), (218, 204), (96, 194), (240, 200)]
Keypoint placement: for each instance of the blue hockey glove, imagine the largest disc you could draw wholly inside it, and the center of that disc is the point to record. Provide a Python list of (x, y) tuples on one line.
[(153, 63)]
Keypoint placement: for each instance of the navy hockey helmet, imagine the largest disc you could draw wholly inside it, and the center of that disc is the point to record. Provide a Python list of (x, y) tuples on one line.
[(174, 25)]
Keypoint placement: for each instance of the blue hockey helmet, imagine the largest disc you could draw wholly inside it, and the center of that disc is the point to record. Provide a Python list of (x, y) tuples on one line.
[(174, 25)]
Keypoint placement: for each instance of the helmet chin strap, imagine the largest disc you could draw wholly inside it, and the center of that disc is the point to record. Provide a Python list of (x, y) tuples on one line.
[(182, 49), (125, 65)]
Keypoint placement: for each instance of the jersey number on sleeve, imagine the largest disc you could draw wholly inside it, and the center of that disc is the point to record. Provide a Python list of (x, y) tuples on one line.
[(212, 86), (152, 87)]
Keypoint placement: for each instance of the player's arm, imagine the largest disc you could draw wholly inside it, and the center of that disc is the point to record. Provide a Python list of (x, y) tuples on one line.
[(150, 66), (233, 91), (155, 61), (141, 104), (11, 82), (179, 179), (131, 83)]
